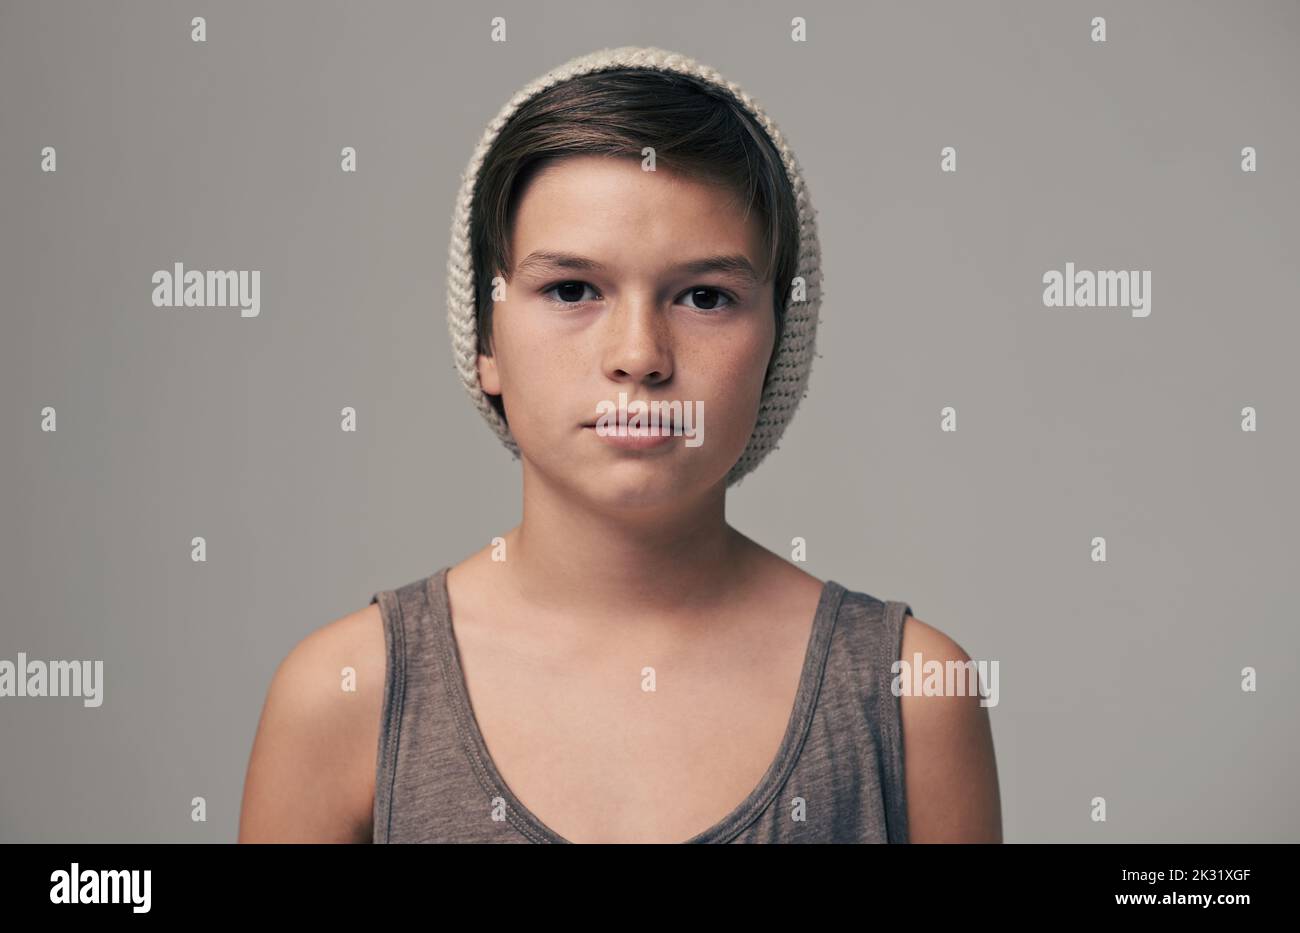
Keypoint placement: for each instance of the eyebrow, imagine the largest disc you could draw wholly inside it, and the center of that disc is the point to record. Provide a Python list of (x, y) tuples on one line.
[(540, 262)]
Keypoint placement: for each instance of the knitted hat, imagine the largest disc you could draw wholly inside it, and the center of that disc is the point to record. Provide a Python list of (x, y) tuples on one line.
[(787, 377)]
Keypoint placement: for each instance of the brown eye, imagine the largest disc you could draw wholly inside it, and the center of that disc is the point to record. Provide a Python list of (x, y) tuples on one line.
[(707, 299), (569, 293)]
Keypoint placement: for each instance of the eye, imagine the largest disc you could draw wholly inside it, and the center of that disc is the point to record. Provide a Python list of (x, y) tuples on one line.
[(571, 291), (702, 298), (709, 297)]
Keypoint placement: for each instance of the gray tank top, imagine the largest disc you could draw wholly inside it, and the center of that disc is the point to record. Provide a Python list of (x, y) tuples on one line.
[(837, 776)]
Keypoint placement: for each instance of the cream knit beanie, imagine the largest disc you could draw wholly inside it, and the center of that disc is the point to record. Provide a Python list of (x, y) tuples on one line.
[(787, 379)]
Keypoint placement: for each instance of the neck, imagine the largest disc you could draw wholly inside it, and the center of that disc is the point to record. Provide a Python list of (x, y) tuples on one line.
[(589, 559)]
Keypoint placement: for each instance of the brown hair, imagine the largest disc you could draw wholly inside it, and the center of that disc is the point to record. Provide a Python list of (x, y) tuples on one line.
[(693, 126)]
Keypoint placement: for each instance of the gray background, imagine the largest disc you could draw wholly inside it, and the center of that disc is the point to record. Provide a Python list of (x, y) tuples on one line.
[(1118, 680)]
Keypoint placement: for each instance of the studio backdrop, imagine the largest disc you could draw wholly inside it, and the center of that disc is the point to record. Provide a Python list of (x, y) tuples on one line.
[(1053, 406)]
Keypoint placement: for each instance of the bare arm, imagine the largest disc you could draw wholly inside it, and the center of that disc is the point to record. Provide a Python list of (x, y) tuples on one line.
[(311, 772), (949, 767)]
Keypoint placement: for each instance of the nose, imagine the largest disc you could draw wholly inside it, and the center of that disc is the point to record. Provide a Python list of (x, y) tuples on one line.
[(638, 342)]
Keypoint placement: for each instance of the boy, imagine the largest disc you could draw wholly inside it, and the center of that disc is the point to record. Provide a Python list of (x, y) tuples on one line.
[(624, 666)]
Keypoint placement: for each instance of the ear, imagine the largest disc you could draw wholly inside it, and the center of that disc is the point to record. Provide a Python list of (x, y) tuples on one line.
[(488, 377)]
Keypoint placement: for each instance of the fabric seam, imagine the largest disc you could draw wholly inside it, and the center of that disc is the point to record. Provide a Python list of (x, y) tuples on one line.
[(395, 684)]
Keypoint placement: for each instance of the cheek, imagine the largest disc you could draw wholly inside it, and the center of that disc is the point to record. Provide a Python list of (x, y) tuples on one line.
[(751, 351), (530, 364), (739, 378), (734, 382)]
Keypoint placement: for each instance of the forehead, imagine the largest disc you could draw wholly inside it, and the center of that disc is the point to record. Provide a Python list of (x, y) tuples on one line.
[(611, 209)]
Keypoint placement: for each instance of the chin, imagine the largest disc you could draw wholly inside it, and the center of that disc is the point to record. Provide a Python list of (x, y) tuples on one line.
[(637, 485)]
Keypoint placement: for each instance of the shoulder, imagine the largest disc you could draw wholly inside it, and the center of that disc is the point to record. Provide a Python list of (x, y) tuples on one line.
[(949, 767), (337, 664), (311, 771)]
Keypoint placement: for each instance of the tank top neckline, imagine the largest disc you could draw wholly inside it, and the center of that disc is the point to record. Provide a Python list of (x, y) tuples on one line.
[(801, 715)]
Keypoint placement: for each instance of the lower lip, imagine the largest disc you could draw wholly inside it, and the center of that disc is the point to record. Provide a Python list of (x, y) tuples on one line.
[(634, 441)]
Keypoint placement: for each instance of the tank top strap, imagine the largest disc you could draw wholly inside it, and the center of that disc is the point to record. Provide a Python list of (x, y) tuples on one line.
[(869, 642), (411, 674)]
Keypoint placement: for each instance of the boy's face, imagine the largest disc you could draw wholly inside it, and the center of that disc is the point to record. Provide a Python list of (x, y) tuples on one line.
[(634, 320)]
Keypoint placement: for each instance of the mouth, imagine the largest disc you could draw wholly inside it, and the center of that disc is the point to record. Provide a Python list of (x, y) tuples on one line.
[(668, 423), (667, 426)]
